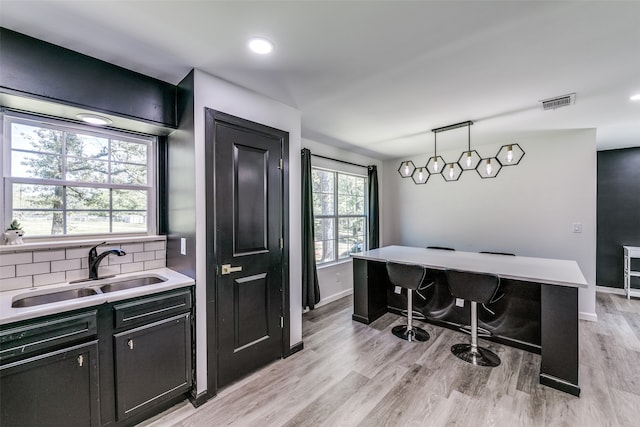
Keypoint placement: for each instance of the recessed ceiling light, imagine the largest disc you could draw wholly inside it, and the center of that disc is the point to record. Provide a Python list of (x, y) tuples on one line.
[(635, 97), (94, 119), (260, 45)]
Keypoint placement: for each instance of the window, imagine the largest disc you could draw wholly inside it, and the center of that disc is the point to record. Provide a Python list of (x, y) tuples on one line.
[(64, 179), (340, 214)]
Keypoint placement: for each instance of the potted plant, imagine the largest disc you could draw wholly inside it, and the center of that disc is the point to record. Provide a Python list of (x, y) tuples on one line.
[(13, 234)]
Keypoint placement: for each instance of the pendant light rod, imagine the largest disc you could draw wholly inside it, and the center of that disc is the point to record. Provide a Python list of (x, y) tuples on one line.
[(451, 127)]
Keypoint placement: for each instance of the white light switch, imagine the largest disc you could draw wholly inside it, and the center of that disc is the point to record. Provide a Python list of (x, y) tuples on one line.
[(577, 227), (183, 246), (459, 302)]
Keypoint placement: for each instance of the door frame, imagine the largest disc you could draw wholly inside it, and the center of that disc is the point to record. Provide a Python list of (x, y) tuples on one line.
[(212, 117)]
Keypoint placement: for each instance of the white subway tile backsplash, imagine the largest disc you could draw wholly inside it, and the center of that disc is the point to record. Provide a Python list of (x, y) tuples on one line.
[(130, 268), (132, 247), (69, 264), (7, 271), (16, 283), (144, 256), (78, 253), (27, 268), (48, 255), (156, 263), (31, 269), (48, 279), (76, 274), (114, 260), (154, 246), (18, 258)]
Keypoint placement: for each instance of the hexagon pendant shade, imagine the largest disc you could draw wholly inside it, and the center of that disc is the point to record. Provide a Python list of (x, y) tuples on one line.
[(486, 167)]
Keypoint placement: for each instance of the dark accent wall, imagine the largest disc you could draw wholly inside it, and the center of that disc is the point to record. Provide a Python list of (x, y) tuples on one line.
[(618, 204), (181, 183), (36, 69)]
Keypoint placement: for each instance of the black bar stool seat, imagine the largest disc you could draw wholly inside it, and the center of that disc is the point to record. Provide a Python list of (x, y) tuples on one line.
[(476, 288), (410, 277)]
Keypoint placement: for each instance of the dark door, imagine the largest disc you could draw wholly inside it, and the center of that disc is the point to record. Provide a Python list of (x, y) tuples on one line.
[(249, 246), (58, 388)]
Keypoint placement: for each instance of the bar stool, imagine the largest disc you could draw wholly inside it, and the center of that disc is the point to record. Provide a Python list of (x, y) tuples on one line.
[(408, 276), (477, 288)]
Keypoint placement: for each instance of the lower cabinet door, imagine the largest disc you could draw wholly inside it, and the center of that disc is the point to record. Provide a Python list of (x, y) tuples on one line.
[(153, 364), (55, 389)]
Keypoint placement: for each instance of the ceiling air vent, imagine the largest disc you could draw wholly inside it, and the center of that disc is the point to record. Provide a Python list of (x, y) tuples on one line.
[(559, 101)]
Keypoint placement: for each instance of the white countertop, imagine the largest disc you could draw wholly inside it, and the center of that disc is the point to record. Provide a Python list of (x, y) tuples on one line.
[(8, 314), (539, 270)]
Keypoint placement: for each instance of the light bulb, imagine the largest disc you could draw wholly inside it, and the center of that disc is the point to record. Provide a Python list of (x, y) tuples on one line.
[(489, 168), (435, 164), (406, 168), (420, 175), (468, 159), (451, 171), (510, 153)]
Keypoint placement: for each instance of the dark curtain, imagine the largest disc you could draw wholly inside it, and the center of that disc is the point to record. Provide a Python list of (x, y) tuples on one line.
[(310, 286), (374, 208)]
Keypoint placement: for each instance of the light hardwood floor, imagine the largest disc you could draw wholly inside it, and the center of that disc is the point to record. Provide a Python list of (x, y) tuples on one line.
[(350, 374)]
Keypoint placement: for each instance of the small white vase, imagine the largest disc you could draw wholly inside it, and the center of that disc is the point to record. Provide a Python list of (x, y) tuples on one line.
[(13, 237)]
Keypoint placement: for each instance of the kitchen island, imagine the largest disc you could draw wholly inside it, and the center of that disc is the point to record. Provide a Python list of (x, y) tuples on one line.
[(538, 310)]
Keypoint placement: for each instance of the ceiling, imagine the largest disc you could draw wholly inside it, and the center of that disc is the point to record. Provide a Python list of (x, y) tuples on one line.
[(375, 76)]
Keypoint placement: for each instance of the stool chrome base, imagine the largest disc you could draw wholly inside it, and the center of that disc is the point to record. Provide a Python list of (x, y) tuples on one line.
[(413, 334), (480, 357)]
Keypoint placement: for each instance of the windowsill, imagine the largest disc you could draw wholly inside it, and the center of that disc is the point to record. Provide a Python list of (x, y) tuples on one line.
[(62, 243), (334, 263)]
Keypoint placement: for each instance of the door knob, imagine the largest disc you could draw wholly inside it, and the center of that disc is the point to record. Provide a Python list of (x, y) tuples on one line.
[(227, 269)]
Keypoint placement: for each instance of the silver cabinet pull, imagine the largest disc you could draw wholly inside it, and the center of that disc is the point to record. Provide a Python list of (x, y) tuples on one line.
[(130, 343), (80, 360), (227, 269)]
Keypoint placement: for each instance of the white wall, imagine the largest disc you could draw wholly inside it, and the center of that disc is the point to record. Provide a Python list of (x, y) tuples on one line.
[(217, 94), (336, 280), (527, 209)]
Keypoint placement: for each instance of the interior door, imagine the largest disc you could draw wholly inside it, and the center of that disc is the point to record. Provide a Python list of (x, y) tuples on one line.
[(249, 254)]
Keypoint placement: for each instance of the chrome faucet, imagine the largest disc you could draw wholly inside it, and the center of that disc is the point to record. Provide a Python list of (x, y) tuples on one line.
[(95, 259)]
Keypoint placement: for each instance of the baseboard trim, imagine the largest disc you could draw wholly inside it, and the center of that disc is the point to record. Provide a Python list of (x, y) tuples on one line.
[(558, 384), (334, 297), (591, 317), (294, 349), (198, 400), (609, 290)]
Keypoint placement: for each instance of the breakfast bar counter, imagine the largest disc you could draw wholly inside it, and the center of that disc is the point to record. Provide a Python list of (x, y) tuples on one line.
[(536, 311)]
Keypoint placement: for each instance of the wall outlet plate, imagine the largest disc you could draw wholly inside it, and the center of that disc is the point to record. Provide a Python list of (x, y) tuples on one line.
[(398, 290), (459, 302), (183, 246)]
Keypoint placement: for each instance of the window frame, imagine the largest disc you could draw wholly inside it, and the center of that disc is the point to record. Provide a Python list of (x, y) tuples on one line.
[(336, 216), (8, 117)]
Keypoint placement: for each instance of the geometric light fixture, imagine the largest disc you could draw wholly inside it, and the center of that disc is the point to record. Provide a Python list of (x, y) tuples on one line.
[(510, 154), (488, 167), (406, 169)]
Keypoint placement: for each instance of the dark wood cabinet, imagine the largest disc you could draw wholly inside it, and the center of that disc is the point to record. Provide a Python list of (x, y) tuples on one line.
[(152, 363), (59, 388), (114, 364)]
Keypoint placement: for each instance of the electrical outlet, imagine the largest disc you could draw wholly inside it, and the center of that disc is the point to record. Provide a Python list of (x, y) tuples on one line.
[(459, 302), (577, 227), (183, 246), (398, 290)]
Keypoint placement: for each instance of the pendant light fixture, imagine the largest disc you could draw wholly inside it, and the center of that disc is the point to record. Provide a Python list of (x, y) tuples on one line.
[(489, 167)]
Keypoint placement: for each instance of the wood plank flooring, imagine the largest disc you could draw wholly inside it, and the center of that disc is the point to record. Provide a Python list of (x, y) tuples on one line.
[(350, 374)]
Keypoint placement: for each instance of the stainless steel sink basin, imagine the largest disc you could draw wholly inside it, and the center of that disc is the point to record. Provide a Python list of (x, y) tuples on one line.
[(134, 282), (53, 297)]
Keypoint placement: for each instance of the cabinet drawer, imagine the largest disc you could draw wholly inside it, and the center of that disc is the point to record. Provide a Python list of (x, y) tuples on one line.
[(40, 335), (150, 309)]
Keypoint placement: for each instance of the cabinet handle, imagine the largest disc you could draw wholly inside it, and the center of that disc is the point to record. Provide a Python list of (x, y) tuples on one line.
[(130, 343), (80, 360)]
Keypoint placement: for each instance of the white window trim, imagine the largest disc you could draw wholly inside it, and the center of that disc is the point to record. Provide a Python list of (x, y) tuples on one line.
[(338, 260), (7, 117)]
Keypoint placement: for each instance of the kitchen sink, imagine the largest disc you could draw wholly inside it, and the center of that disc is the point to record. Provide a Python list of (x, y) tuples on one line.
[(53, 297), (134, 282)]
